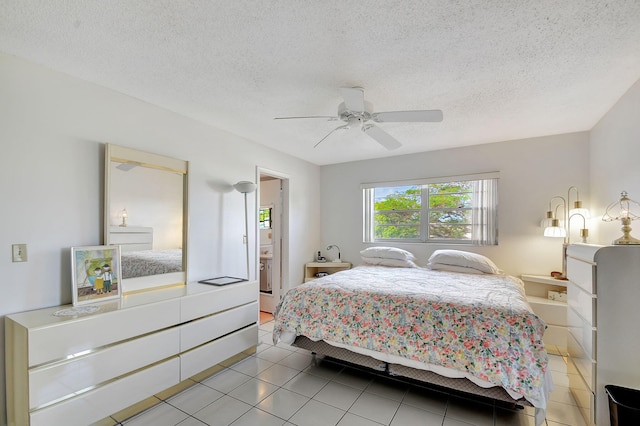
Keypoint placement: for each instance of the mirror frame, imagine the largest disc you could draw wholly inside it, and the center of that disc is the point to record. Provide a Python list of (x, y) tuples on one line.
[(120, 154)]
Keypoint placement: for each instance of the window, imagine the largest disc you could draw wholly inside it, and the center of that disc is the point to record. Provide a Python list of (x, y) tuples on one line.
[(453, 210), (265, 218)]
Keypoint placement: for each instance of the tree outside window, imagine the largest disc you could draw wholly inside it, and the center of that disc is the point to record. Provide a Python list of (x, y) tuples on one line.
[(434, 212)]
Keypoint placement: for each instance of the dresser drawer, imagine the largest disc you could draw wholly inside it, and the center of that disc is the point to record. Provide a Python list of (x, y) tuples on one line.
[(58, 341), (202, 304), (208, 355), (98, 403), (583, 333), (585, 399), (583, 363), (209, 328), (582, 302), (582, 274), (58, 380)]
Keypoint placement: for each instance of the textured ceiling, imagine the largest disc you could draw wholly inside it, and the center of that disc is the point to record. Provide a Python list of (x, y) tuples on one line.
[(499, 70)]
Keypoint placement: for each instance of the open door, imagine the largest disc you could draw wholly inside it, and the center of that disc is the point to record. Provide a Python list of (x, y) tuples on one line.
[(273, 221)]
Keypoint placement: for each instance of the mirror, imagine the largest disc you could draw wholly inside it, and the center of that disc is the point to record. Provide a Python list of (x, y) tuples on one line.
[(145, 214)]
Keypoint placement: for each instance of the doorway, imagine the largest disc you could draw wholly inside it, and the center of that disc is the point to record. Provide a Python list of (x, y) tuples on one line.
[(273, 225)]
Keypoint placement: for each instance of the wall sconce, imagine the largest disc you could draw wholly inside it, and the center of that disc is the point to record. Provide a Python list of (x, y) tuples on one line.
[(335, 246), (124, 215), (621, 210)]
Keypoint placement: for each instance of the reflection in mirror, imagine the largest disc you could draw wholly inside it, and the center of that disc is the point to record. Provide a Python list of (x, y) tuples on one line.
[(145, 213)]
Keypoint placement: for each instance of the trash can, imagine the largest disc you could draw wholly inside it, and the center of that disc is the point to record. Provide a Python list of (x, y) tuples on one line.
[(624, 405)]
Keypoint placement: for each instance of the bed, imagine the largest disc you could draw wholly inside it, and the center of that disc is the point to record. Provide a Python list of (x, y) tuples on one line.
[(450, 323), (143, 263), (138, 259)]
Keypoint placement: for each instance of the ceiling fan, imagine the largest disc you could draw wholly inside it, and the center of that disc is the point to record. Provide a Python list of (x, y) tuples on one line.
[(355, 111)]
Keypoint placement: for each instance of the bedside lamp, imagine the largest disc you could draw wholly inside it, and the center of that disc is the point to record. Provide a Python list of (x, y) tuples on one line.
[(622, 210), (577, 205), (124, 215), (584, 232), (553, 228), (335, 246)]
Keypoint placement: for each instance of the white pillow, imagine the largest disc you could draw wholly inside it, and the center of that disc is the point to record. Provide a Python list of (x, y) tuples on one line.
[(387, 253), (398, 263), (464, 259), (452, 268)]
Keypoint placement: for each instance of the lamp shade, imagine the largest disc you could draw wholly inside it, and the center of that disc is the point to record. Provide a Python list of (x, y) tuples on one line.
[(245, 187), (555, 231)]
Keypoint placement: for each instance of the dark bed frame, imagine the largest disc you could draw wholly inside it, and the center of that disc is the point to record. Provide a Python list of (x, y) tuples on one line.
[(461, 387)]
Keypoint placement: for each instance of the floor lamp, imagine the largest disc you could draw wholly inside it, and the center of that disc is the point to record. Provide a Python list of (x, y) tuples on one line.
[(246, 187)]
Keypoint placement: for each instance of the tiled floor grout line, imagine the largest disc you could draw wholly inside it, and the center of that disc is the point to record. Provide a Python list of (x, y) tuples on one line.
[(341, 369)]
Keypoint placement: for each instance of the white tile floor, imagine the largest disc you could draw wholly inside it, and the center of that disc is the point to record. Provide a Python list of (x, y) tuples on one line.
[(280, 385)]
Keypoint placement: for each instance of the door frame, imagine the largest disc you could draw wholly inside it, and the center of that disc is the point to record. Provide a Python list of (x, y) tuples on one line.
[(280, 262)]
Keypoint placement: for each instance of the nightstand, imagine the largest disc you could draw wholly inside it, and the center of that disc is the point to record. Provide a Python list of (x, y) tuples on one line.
[(552, 312), (312, 268)]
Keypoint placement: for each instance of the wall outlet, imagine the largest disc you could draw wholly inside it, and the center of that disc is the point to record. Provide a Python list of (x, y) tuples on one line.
[(19, 252)]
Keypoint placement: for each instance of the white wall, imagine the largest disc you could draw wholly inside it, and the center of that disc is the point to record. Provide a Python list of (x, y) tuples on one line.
[(531, 172), (53, 129), (615, 161)]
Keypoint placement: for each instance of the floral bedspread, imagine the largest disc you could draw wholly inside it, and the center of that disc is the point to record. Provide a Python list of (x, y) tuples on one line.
[(478, 324)]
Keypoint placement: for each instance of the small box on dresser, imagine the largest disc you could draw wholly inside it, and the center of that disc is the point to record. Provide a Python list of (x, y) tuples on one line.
[(603, 295)]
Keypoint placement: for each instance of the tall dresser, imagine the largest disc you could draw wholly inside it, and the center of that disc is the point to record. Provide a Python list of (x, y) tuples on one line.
[(603, 296)]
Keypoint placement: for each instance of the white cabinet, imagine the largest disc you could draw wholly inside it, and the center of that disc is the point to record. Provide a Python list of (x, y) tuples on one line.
[(312, 268), (552, 312), (603, 318), (80, 369)]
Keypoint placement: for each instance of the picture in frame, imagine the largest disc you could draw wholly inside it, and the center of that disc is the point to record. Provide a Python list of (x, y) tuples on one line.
[(95, 274)]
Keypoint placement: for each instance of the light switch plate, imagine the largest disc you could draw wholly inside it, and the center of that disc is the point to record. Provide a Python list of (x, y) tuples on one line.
[(19, 252)]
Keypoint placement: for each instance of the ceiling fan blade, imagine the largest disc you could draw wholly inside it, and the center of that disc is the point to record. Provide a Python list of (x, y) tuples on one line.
[(346, 126), (433, 115), (329, 117), (382, 137), (353, 98)]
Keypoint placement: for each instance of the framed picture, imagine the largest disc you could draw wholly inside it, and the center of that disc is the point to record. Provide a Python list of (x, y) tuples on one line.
[(95, 274)]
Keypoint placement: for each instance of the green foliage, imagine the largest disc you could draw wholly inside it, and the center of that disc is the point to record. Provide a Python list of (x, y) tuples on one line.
[(398, 214)]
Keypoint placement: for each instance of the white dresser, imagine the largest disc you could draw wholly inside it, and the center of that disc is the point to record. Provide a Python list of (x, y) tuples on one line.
[(76, 370), (603, 296)]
